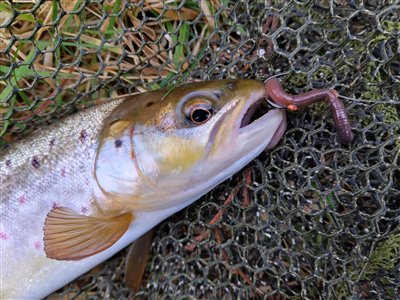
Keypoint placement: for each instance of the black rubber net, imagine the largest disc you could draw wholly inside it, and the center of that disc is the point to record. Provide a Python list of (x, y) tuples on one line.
[(323, 218)]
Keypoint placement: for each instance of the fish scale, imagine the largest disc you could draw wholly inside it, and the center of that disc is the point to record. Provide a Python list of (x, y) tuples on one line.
[(62, 157)]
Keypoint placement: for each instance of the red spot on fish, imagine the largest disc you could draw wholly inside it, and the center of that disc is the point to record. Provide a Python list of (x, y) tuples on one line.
[(22, 199), (3, 235), (38, 245), (83, 136), (35, 162), (56, 205), (84, 210), (63, 172)]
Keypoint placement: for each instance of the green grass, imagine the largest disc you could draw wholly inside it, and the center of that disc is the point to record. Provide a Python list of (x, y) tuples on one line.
[(20, 72), (54, 11), (183, 37), (110, 29)]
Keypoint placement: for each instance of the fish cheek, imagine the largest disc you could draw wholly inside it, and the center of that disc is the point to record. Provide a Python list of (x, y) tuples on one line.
[(179, 155)]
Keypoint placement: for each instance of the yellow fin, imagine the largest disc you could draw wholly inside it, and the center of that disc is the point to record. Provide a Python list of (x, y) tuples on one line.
[(71, 236), (137, 259)]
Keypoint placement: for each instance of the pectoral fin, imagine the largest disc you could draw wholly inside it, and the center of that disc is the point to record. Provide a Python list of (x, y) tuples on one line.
[(137, 259), (71, 236)]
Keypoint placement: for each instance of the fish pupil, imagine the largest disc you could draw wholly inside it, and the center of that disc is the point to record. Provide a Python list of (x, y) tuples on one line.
[(200, 115)]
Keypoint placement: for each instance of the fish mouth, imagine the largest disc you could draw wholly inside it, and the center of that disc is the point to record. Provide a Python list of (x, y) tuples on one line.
[(255, 111), (255, 115)]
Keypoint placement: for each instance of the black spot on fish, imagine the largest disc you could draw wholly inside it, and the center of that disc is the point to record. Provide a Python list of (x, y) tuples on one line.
[(148, 104), (8, 162), (52, 142), (83, 136), (118, 143), (35, 162), (231, 85)]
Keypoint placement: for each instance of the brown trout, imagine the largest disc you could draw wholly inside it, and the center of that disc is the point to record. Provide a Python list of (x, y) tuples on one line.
[(74, 194)]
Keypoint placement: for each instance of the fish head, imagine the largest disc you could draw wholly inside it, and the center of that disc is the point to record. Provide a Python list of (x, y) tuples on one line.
[(179, 143)]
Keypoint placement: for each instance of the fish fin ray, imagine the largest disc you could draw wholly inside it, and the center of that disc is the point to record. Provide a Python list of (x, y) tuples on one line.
[(136, 260), (72, 236)]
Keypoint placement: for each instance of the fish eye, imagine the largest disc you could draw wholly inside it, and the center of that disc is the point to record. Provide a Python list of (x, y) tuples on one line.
[(198, 111)]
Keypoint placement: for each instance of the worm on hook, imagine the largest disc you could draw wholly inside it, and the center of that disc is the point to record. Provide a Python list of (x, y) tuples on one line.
[(276, 93)]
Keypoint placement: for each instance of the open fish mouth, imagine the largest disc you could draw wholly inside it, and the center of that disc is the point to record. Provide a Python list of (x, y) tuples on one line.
[(258, 114), (255, 111)]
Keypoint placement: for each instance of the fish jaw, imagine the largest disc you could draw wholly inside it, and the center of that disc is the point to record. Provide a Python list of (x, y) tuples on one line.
[(249, 143), (263, 133)]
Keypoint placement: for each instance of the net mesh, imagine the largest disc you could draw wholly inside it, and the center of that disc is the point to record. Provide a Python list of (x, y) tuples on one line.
[(323, 219)]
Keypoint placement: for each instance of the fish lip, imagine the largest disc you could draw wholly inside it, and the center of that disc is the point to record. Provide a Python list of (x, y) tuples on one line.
[(278, 134), (257, 123)]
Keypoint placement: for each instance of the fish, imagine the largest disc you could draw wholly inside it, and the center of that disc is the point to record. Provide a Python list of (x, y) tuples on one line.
[(77, 192)]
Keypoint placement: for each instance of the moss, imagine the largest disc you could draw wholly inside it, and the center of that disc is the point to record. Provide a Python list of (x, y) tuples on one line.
[(390, 114), (391, 26), (297, 80), (385, 256)]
